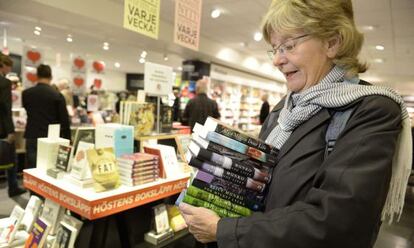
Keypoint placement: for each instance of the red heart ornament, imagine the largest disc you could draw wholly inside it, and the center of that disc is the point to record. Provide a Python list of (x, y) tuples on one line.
[(31, 77), (78, 81), (79, 63), (33, 56), (98, 66), (97, 83)]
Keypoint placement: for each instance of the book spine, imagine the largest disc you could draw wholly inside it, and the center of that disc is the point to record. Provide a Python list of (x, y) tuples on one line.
[(240, 147), (218, 201), (200, 203), (236, 167), (227, 175), (246, 199)]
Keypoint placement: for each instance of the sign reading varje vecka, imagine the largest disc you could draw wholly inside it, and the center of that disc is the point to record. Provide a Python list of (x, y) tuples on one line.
[(157, 79)]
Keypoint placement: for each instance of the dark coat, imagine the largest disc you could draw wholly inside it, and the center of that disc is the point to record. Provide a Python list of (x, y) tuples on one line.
[(6, 121), (198, 109), (316, 202), (264, 112), (45, 105)]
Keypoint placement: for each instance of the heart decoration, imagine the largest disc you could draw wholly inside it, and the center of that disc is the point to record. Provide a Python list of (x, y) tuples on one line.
[(78, 81), (79, 63), (92, 100), (33, 56), (98, 66), (97, 83), (31, 77)]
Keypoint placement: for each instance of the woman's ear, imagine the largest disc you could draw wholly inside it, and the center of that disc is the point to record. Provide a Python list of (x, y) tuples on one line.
[(333, 44)]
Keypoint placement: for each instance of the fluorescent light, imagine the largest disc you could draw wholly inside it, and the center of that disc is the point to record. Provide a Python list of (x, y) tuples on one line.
[(36, 32), (117, 64), (258, 36), (38, 28), (142, 60), (379, 47), (215, 13)]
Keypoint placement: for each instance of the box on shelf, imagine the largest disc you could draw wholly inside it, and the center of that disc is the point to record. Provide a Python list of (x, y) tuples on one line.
[(47, 150), (120, 137)]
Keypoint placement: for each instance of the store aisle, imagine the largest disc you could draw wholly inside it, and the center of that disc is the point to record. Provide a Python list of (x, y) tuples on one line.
[(400, 235)]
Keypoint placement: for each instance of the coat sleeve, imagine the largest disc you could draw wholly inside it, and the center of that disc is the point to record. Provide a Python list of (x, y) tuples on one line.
[(6, 97), (343, 207), (63, 117)]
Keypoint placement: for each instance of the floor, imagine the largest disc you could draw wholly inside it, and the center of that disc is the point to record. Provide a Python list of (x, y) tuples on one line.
[(400, 235)]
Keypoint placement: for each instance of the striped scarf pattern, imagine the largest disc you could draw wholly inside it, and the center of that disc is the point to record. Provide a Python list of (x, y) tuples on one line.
[(333, 92)]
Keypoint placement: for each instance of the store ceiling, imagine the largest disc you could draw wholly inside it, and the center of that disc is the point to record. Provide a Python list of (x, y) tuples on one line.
[(93, 22)]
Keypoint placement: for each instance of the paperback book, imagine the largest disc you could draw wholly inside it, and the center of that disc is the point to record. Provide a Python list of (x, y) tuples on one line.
[(62, 160), (38, 234), (222, 212), (52, 213), (12, 225), (31, 212), (104, 169), (65, 236)]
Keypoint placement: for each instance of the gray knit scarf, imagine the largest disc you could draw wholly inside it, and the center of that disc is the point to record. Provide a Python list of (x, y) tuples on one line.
[(332, 92)]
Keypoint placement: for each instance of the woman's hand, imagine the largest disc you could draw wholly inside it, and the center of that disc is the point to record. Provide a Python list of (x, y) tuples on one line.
[(202, 222)]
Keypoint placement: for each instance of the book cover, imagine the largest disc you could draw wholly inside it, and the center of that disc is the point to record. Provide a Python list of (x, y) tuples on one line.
[(222, 212), (52, 213), (220, 127), (227, 163), (65, 236), (38, 234), (142, 118), (233, 144), (218, 201), (80, 165), (104, 169), (133, 170), (85, 134), (62, 159), (168, 163), (31, 212), (137, 158), (12, 225), (225, 174), (138, 174)]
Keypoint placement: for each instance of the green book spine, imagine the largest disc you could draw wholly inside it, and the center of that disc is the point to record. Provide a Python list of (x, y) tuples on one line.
[(200, 203), (218, 201)]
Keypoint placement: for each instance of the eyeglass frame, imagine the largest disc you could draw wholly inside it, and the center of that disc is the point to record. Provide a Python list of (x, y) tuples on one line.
[(281, 49)]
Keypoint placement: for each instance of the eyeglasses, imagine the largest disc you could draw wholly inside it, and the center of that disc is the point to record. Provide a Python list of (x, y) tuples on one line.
[(286, 47)]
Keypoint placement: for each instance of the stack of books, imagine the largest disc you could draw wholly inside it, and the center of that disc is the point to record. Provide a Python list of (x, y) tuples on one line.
[(233, 169), (138, 168)]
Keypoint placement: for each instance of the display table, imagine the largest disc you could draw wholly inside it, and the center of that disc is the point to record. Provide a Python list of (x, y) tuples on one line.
[(91, 205)]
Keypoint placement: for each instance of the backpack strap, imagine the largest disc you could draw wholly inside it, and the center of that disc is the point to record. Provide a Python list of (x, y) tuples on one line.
[(337, 124)]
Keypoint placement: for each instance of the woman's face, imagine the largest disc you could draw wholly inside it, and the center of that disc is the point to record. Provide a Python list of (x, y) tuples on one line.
[(304, 65)]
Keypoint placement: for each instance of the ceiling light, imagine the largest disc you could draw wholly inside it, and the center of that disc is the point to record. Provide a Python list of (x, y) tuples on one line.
[(105, 47), (106, 44), (38, 28), (258, 36), (36, 32), (142, 60), (165, 57), (367, 28), (179, 68), (143, 54), (379, 47), (215, 13), (117, 64), (379, 61), (69, 38)]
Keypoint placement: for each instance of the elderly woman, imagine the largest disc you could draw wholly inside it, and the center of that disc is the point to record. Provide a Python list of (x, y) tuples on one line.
[(315, 199)]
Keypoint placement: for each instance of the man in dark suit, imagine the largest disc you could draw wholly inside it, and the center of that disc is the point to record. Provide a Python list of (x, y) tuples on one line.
[(264, 110), (200, 107), (7, 137), (44, 105)]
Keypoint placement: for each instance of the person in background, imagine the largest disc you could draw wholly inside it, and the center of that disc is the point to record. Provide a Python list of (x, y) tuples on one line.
[(7, 135), (176, 106), (264, 110), (44, 105), (322, 195), (64, 89), (200, 107)]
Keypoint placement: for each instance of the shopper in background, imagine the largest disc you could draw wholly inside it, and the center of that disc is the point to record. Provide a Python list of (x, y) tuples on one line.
[(7, 135), (176, 105), (200, 107), (44, 105), (317, 199), (64, 89), (264, 110)]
